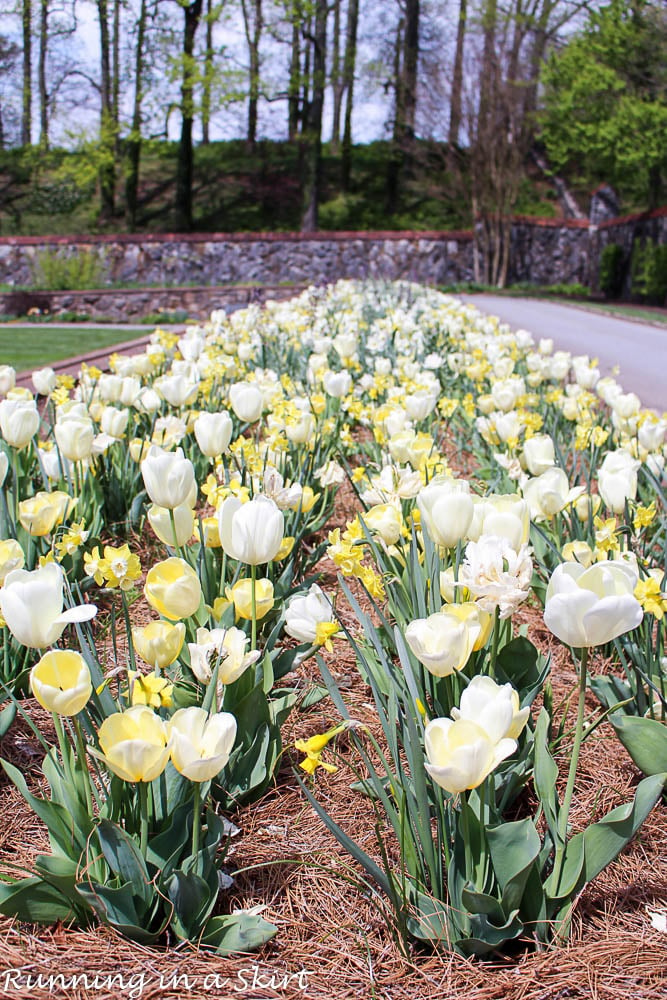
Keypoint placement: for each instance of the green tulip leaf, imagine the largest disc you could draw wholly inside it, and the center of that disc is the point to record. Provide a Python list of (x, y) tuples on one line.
[(610, 690), (55, 816), (7, 716), (62, 873), (604, 840), (123, 856), (514, 848), (486, 936), (315, 694), (430, 920), (589, 852), (238, 932), (114, 904), (281, 707), (644, 739), (546, 774), (192, 900), (481, 902), (520, 663), (34, 900)]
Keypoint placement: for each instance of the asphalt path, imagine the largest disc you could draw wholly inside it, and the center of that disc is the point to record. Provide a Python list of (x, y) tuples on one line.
[(639, 349)]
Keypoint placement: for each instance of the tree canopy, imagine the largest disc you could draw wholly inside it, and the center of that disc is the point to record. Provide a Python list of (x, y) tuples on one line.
[(605, 100)]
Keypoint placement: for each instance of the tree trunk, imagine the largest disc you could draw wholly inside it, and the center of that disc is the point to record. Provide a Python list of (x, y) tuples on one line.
[(396, 156), (184, 169), (208, 74), (253, 25), (134, 141), (41, 75), (107, 130), (336, 80), (305, 74), (410, 66), (456, 104), (26, 113), (313, 138), (349, 66), (115, 74), (294, 85)]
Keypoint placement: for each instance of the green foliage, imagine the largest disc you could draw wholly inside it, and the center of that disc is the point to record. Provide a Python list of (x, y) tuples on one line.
[(60, 270), (611, 270), (649, 271), (605, 104)]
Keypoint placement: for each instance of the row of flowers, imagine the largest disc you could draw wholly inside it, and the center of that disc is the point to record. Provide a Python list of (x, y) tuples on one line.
[(229, 444)]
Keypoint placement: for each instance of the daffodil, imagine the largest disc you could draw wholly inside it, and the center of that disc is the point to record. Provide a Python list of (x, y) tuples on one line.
[(313, 748)]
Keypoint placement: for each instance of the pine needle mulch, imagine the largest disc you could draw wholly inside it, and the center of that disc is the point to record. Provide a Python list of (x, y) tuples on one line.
[(334, 940)]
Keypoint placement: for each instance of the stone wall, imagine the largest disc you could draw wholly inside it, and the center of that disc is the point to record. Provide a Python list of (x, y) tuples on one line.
[(133, 304), (625, 231), (264, 258), (549, 251), (223, 268)]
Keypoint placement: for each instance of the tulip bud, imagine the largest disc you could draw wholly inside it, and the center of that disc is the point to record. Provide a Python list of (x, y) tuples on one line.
[(159, 643), (135, 744), (241, 596), (61, 682), (251, 532), (213, 432), (168, 477), (246, 401), (173, 589), (446, 509), (19, 421), (201, 743), (161, 523)]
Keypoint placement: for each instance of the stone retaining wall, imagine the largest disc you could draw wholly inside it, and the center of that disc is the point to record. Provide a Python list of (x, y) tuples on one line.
[(128, 304), (264, 258), (544, 251)]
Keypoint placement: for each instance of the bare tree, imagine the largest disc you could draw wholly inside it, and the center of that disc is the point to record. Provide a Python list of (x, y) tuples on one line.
[(133, 144), (184, 170), (253, 24), (312, 137), (337, 80), (349, 68), (456, 101), (26, 116)]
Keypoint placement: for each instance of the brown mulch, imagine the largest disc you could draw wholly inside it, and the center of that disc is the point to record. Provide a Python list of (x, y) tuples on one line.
[(334, 939)]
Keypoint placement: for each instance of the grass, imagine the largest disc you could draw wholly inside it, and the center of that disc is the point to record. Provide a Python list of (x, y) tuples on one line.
[(646, 314), (27, 349)]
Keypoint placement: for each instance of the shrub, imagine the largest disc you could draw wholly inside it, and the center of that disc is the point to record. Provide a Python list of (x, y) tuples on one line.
[(649, 271), (60, 270), (612, 271)]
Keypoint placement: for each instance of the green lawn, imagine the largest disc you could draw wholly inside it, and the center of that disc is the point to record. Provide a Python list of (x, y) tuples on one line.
[(646, 315), (27, 348)]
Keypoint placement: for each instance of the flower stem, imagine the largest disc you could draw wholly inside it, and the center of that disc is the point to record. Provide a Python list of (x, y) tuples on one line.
[(196, 819), (83, 764), (253, 606), (175, 546), (494, 643), (574, 760), (143, 815)]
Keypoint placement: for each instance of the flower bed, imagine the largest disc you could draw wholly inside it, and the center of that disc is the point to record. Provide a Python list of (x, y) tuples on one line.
[(365, 538)]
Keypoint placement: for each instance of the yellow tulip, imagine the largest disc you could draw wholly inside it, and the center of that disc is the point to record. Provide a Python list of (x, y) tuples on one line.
[(61, 682), (285, 548), (134, 744), (241, 595), (159, 643), (40, 514), (11, 557), (172, 588)]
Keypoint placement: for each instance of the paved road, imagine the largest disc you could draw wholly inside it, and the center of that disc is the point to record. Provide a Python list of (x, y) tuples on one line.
[(638, 348)]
